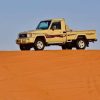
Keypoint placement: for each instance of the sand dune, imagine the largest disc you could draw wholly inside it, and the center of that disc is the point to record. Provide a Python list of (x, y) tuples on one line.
[(50, 75)]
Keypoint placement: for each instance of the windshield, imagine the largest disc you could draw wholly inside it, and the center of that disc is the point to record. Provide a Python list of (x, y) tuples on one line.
[(44, 25)]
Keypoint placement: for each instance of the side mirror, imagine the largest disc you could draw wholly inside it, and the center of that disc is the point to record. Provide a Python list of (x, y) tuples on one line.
[(53, 28)]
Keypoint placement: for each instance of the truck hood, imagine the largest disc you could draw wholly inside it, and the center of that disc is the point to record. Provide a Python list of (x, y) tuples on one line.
[(37, 31)]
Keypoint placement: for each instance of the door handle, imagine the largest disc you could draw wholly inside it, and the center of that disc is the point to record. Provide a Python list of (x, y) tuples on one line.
[(64, 31)]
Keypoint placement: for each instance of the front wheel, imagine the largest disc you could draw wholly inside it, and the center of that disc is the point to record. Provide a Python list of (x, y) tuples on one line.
[(81, 44), (24, 47), (39, 44)]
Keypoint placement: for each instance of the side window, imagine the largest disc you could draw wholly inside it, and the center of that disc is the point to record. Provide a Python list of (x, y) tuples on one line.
[(56, 26)]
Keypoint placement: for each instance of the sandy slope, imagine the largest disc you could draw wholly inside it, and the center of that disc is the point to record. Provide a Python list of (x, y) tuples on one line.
[(50, 75)]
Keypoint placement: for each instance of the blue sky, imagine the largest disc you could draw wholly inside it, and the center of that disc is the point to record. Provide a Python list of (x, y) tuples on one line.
[(22, 15)]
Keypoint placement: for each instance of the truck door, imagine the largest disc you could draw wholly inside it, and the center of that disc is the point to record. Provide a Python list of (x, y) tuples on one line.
[(56, 34)]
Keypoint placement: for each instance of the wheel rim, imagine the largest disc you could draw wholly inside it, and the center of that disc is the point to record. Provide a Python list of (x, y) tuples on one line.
[(81, 44), (39, 44)]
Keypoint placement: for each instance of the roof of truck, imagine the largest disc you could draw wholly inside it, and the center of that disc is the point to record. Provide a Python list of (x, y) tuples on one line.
[(56, 19)]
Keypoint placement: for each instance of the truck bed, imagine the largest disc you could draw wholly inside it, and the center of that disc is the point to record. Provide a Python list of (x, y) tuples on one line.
[(90, 34)]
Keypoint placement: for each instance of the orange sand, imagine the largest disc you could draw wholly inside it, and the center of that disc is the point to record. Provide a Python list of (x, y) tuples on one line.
[(50, 75)]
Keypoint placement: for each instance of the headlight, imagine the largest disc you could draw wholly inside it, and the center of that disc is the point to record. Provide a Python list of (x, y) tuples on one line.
[(29, 35)]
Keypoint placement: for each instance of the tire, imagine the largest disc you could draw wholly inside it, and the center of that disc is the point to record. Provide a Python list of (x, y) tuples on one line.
[(81, 44), (39, 44), (24, 47), (64, 47), (70, 48)]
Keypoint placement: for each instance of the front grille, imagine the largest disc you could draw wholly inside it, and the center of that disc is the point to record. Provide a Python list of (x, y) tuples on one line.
[(22, 35)]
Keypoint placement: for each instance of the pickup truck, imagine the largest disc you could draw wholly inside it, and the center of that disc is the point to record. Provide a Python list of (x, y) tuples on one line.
[(55, 32)]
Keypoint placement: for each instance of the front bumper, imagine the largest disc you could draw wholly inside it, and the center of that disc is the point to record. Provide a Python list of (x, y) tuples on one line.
[(96, 39), (25, 40)]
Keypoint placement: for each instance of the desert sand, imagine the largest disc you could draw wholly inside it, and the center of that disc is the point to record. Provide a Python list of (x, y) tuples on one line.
[(50, 75)]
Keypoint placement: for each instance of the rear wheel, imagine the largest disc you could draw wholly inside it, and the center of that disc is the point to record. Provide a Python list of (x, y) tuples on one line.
[(64, 47), (67, 46), (81, 44), (39, 44)]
